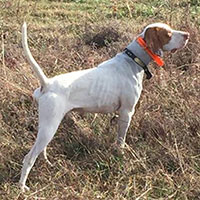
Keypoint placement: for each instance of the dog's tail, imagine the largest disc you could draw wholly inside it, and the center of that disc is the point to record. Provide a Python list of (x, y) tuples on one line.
[(36, 68)]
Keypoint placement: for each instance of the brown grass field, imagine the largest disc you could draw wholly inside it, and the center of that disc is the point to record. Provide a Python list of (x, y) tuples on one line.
[(162, 158)]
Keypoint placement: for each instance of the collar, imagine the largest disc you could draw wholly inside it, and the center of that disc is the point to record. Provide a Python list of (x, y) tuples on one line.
[(139, 62), (159, 61)]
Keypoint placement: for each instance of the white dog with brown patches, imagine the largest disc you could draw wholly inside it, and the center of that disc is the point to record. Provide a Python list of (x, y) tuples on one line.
[(114, 86)]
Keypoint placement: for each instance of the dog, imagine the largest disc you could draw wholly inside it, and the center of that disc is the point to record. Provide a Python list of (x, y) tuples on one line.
[(113, 86)]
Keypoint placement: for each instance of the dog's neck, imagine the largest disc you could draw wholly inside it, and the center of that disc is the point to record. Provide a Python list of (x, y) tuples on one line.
[(139, 52)]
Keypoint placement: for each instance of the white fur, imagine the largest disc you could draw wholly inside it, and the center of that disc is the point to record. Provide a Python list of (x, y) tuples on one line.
[(178, 39), (114, 86)]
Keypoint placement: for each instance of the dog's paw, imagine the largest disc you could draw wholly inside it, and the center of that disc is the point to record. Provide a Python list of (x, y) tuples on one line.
[(118, 149), (24, 188), (48, 162)]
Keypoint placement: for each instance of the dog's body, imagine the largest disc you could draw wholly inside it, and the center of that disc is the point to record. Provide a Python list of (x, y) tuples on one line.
[(115, 85)]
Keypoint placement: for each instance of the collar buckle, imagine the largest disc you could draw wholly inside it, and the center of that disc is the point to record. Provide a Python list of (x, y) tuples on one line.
[(139, 62)]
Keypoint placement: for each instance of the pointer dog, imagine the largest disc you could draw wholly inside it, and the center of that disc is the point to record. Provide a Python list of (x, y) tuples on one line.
[(114, 86)]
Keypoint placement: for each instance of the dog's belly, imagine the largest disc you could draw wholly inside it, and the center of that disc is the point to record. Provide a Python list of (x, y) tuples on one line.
[(102, 109), (96, 103)]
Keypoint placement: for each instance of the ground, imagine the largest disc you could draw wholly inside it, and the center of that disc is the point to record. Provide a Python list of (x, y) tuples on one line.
[(162, 157)]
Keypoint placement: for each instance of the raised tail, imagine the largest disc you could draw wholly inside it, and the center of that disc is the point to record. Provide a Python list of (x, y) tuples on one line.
[(36, 68)]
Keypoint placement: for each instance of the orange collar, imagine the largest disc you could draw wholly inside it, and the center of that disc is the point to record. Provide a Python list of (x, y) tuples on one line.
[(159, 61)]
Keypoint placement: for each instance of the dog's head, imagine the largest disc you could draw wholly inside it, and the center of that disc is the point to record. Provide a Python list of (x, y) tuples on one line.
[(161, 37)]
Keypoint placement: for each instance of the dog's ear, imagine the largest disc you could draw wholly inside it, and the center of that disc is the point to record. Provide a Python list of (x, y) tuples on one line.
[(152, 39), (156, 38)]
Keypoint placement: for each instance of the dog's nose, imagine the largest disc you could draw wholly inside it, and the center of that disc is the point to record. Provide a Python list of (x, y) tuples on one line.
[(186, 35)]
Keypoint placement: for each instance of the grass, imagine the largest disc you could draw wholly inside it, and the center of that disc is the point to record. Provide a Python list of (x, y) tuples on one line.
[(162, 160)]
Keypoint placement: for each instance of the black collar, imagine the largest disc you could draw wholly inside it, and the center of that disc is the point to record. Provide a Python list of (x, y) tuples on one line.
[(139, 62)]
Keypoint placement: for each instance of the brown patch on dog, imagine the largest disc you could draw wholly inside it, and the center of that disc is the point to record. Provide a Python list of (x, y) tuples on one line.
[(157, 37)]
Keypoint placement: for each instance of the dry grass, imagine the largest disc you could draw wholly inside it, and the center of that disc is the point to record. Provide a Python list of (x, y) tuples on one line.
[(162, 159)]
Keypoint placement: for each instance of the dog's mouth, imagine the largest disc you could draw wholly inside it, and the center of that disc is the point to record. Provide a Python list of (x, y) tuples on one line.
[(174, 50)]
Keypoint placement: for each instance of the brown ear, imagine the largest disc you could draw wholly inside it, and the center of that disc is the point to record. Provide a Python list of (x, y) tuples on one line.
[(152, 39)]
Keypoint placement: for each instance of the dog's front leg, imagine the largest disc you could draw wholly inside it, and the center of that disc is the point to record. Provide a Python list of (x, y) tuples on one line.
[(123, 124)]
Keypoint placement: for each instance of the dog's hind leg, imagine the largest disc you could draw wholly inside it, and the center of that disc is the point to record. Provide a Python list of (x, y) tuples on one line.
[(51, 112), (45, 156)]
